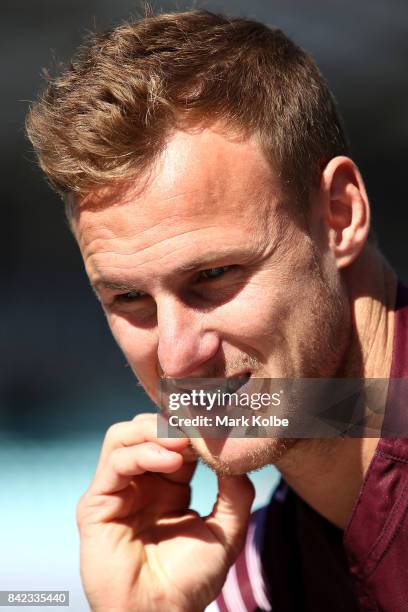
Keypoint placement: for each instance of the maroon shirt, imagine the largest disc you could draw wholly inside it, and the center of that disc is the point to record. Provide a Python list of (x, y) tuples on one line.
[(376, 538), (294, 560)]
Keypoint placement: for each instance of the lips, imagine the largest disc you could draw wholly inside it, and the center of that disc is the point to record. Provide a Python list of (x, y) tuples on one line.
[(185, 386), (204, 398), (202, 392)]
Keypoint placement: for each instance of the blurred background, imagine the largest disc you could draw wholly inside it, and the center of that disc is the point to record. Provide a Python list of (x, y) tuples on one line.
[(62, 379)]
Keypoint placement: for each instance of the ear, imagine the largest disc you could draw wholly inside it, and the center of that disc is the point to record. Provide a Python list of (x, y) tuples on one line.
[(346, 209)]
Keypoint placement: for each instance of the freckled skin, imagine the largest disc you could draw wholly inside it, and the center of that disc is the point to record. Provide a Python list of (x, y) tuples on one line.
[(281, 307)]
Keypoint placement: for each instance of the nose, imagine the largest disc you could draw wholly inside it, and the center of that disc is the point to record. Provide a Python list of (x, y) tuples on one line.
[(185, 343)]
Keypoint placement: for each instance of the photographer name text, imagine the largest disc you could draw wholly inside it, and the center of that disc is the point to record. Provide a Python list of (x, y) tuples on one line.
[(253, 420)]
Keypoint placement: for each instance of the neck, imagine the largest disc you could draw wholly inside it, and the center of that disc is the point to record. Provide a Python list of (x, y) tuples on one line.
[(314, 468)]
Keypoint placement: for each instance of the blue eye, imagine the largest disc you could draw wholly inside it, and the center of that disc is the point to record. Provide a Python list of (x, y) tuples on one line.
[(214, 272), (131, 295)]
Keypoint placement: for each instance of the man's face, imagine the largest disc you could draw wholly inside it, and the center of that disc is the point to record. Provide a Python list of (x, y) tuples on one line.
[(206, 270)]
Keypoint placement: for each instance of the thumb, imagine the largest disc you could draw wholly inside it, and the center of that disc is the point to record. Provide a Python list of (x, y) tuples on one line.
[(229, 518)]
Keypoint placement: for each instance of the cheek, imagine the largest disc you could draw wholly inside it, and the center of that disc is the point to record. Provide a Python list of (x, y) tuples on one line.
[(138, 345), (280, 311), (260, 312), (248, 325)]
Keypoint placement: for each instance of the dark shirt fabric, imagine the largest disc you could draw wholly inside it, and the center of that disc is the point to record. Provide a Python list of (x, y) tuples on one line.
[(305, 564), (376, 538), (309, 565)]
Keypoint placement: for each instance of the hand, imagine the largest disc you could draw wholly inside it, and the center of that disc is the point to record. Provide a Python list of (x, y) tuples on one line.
[(141, 547)]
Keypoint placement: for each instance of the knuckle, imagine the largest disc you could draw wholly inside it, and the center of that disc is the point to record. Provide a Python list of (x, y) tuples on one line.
[(120, 460), (143, 416), (114, 431), (114, 461), (80, 509)]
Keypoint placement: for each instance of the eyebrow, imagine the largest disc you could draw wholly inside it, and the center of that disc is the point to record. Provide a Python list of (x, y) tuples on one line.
[(113, 285), (207, 260)]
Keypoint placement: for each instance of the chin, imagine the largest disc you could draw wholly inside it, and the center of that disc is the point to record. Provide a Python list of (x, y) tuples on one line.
[(234, 456)]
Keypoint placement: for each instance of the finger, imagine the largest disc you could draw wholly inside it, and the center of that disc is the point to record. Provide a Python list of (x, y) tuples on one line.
[(230, 516), (189, 454), (141, 429), (144, 499), (129, 461), (183, 475)]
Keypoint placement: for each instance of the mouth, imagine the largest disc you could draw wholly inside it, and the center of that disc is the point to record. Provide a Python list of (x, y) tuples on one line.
[(229, 384), (210, 399), (237, 382), (203, 388)]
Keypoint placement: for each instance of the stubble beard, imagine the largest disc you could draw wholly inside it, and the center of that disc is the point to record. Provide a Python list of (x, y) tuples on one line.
[(271, 452), (323, 355)]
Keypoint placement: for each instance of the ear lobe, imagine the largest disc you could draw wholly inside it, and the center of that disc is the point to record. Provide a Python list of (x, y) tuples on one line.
[(347, 210)]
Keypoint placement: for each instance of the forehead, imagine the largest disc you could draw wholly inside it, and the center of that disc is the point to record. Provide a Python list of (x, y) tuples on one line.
[(205, 186)]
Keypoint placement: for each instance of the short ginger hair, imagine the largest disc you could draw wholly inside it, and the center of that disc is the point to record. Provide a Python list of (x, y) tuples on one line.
[(109, 114)]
